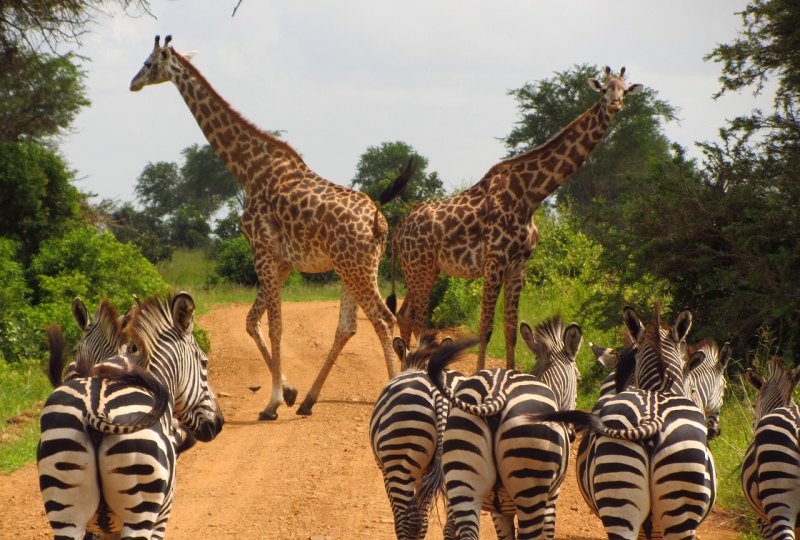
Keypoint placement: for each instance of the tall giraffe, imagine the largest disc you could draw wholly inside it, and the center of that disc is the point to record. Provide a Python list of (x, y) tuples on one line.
[(488, 230), (292, 218)]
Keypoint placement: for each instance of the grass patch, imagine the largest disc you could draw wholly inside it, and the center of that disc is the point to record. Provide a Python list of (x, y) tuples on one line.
[(25, 387)]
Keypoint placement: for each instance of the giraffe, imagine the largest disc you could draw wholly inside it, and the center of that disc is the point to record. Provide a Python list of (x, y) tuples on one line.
[(488, 230), (292, 218)]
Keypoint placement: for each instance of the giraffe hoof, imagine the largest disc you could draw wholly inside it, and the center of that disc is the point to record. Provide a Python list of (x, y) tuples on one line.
[(289, 395), (305, 408), (267, 414)]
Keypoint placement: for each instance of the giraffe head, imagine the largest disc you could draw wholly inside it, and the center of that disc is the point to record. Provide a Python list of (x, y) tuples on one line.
[(614, 89), (158, 67)]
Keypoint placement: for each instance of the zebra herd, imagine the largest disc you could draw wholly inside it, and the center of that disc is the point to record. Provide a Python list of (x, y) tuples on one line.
[(113, 427), (137, 395), (499, 440)]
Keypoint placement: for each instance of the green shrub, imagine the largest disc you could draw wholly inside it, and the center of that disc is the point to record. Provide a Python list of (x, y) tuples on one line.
[(235, 263), (15, 335), (460, 301), (93, 265)]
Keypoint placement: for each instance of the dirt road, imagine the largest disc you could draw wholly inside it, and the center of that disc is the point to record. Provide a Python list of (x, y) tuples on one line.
[(298, 478)]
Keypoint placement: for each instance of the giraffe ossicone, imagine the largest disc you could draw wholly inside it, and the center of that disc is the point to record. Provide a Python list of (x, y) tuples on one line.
[(292, 218)]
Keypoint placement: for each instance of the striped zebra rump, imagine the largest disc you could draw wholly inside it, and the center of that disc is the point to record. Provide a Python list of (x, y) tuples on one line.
[(87, 476), (406, 430), (771, 468), (492, 458)]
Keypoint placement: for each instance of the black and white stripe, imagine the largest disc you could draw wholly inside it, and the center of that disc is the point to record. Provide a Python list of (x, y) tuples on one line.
[(707, 380), (771, 467), (97, 475), (495, 461), (406, 430), (637, 478)]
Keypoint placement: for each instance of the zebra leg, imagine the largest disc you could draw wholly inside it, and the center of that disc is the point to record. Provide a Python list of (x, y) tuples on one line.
[(621, 487), (66, 460), (469, 471), (504, 527), (345, 330)]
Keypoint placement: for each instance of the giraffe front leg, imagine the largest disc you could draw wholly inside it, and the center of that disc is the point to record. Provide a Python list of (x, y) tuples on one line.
[(492, 281), (345, 330), (512, 289)]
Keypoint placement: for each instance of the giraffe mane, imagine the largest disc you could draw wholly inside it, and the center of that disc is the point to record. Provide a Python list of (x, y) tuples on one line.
[(250, 126)]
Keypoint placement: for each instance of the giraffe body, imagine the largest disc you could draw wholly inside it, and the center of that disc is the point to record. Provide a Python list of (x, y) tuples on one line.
[(292, 218), (488, 230)]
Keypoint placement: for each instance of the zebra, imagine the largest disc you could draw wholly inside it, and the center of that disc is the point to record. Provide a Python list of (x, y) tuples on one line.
[(771, 467), (98, 473), (101, 337), (707, 380), (406, 430), (494, 461), (705, 368), (646, 463)]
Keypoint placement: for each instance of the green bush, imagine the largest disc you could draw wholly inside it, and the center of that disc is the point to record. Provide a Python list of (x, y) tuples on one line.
[(461, 300), (15, 334), (93, 265), (235, 263)]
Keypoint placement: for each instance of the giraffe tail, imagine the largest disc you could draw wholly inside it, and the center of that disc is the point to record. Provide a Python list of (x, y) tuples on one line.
[(391, 300), (400, 183)]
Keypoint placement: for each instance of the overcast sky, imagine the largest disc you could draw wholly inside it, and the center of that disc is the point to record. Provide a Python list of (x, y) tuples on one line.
[(340, 76)]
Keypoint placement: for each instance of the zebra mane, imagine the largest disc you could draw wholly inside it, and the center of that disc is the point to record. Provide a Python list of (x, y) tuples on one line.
[(549, 337), (418, 359), (148, 320), (110, 322)]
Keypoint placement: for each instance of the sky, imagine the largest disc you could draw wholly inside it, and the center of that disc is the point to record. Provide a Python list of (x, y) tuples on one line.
[(338, 77)]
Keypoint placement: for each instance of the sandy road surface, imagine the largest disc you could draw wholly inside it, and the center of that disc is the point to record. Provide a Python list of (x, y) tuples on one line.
[(299, 478)]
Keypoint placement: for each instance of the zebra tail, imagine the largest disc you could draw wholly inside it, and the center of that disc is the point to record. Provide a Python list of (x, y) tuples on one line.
[(432, 483), (55, 366), (134, 376), (648, 427), (449, 353)]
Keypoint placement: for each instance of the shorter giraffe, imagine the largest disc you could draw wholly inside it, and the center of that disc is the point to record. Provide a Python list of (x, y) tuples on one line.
[(488, 230)]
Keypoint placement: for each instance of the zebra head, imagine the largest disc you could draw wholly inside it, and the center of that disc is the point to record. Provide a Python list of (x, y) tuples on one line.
[(418, 359), (706, 368), (774, 392), (555, 348), (162, 329), (660, 351), (103, 336)]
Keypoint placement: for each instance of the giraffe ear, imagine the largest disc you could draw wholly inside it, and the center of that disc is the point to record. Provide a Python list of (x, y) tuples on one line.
[(595, 84), (634, 89)]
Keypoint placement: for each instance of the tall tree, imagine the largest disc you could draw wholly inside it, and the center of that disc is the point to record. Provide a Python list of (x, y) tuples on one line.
[(206, 184), (726, 235)]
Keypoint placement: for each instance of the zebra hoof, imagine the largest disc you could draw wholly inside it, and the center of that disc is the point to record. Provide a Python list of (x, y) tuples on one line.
[(267, 415), (289, 395), (305, 408)]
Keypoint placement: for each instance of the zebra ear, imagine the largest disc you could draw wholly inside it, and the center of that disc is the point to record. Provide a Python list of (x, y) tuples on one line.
[(632, 323), (683, 323), (400, 348), (697, 358), (80, 313), (724, 357), (573, 337), (446, 341), (527, 335), (183, 311), (755, 379), (606, 356)]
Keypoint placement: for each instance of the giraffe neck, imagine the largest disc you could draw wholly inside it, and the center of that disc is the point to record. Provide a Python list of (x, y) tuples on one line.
[(246, 150), (541, 170)]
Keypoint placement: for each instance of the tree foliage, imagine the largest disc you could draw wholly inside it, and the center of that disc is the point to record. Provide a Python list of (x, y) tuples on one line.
[(36, 195)]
